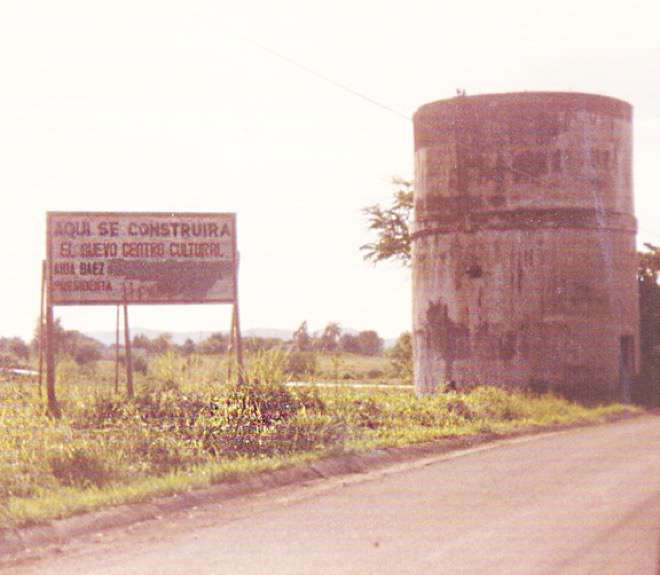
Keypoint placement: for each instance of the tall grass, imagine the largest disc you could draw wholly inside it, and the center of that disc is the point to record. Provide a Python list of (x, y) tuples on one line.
[(186, 420)]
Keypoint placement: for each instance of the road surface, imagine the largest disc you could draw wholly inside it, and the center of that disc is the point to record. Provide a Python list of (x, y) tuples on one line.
[(580, 501)]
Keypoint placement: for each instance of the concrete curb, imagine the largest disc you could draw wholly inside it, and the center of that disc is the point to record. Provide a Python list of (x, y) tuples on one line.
[(17, 540)]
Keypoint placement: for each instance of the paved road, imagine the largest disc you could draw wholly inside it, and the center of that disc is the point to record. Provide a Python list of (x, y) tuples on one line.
[(582, 501)]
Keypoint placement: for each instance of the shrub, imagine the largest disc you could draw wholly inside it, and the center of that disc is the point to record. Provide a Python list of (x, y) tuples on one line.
[(80, 466), (87, 352), (66, 370), (168, 368), (461, 409), (495, 403), (309, 399), (140, 364), (301, 363), (99, 413), (303, 432), (260, 402), (169, 409), (10, 360), (401, 357), (366, 413), (163, 452)]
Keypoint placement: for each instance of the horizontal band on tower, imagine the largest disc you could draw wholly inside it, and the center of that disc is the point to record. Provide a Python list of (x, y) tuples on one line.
[(524, 219)]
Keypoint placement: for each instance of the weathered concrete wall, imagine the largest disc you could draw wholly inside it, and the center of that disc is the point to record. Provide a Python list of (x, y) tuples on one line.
[(524, 267)]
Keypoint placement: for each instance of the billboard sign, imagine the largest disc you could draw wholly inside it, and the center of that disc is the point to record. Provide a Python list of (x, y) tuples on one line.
[(141, 258)]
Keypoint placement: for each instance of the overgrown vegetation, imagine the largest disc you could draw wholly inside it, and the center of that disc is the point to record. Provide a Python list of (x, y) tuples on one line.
[(649, 312), (189, 427)]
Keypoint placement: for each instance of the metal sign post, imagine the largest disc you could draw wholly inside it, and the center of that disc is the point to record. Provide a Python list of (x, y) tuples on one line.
[(41, 324), (236, 328), (53, 408), (129, 357), (117, 352)]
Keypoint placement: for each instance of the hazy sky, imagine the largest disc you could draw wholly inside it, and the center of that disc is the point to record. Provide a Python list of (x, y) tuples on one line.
[(183, 106)]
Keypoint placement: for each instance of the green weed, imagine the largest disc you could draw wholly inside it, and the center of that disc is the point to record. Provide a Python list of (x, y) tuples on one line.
[(188, 426)]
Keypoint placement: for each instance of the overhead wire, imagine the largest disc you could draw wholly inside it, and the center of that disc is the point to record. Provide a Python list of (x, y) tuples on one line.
[(325, 78), (369, 99)]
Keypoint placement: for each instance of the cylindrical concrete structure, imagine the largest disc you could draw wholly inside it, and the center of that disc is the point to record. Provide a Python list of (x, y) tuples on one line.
[(524, 259)]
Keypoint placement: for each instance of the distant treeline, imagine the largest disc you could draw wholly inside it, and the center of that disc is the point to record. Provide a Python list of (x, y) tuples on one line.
[(16, 353)]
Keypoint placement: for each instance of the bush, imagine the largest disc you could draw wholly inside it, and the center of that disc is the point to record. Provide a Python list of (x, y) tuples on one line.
[(494, 403), (310, 399), (303, 432), (168, 368), (163, 452), (460, 408), (301, 363), (366, 413), (10, 361), (66, 371), (80, 466), (86, 353), (263, 403), (169, 409), (140, 364), (101, 412), (401, 357)]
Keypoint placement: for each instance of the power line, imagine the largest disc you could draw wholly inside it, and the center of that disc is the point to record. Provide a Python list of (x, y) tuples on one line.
[(325, 78), (373, 101)]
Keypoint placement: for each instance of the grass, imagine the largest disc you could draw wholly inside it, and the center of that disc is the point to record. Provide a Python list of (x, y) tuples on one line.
[(188, 428), (356, 368)]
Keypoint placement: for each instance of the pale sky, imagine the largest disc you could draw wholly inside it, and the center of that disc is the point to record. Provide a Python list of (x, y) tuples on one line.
[(182, 106)]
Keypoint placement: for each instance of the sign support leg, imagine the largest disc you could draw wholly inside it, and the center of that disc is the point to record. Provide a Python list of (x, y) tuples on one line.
[(117, 352), (41, 325), (236, 324), (129, 360), (230, 346), (53, 408), (238, 343)]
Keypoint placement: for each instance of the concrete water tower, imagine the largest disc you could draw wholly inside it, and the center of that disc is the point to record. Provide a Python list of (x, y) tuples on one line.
[(524, 259)]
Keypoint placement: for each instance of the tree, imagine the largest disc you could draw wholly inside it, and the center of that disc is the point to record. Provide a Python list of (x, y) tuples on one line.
[(58, 333), (330, 338), (349, 343), (215, 344), (255, 343), (82, 348), (301, 363), (87, 352), (369, 343), (14, 352), (188, 347), (392, 226), (141, 341), (301, 338), (15, 346), (649, 329), (162, 343), (401, 356)]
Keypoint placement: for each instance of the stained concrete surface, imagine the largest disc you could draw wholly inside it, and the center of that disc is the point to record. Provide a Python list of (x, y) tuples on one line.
[(524, 257)]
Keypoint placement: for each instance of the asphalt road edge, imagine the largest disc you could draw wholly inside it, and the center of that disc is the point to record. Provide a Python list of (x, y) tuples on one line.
[(14, 541)]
